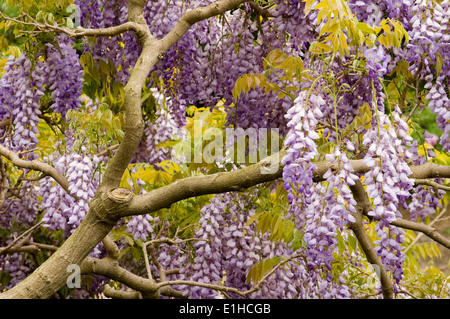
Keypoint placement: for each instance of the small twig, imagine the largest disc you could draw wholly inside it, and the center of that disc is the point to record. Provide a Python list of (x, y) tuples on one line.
[(24, 234), (352, 89), (4, 182), (161, 270), (260, 11), (37, 166), (433, 184), (268, 274), (108, 150), (225, 289), (429, 228), (147, 264), (78, 32), (330, 127), (403, 291), (36, 178), (26, 151)]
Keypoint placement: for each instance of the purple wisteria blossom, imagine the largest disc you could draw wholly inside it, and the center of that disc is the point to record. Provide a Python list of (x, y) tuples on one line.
[(64, 76), (388, 185), (20, 96), (377, 61)]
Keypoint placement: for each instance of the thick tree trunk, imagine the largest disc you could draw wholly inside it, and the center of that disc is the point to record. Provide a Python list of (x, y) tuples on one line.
[(52, 275)]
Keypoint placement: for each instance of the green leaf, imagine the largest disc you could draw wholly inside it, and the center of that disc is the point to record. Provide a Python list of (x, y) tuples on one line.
[(365, 28), (257, 272), (136, 253), (252, 219), (308, 6), (129, 240), (245, 83), (297, 243), (4, 46), (330, 27), (50, 18), (352, 243), (439, 63), (341, 243), (343, 43), (319, 48), (69, 23), (326, 148), (274, 59)]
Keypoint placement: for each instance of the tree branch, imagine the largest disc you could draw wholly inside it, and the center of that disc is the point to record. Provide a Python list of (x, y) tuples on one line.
[(433, 184), (75, 33), (107, 204), (438, 218), (110, 268), (118, 294), (230, 289), (427, 170), (207, 184), (357, 227), (36, 166), (425, 229), (26, 234), (261, 11), (193, 16), (246, 177), (153, 50)]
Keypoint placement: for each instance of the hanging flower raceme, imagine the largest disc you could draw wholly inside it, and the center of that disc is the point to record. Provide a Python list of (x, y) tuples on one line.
[(298, 170), (64, 75), (69, 212), (388, 185), (20, 98)]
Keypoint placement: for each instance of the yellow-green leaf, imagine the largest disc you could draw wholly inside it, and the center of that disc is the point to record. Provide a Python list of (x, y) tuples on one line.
[(365, 28), (439, 63), (330, 27), (308, 6), (319, 48)]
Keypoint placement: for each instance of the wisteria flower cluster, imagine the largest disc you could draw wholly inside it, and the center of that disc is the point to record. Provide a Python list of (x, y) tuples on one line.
[(337, 111), (64, 76), (300, 139), (72, 206), (21, 102), (388, 185)]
